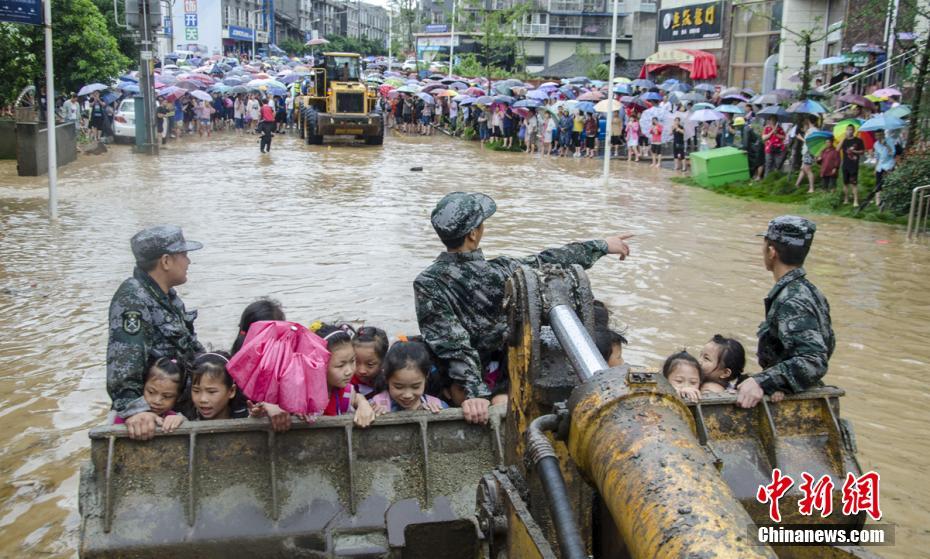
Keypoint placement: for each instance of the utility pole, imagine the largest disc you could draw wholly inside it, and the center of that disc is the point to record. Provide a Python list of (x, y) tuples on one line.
[(390, 35), (50, 116), (146, 81), (452, 39), (610, 96)]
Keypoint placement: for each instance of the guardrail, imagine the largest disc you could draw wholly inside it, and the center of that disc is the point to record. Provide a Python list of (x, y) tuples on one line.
[(920, 209), (873, 74)]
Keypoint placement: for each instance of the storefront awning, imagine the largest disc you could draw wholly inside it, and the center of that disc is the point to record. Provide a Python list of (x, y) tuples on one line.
[(701, 65)]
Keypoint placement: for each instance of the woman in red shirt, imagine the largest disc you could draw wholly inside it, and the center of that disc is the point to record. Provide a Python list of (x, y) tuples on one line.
[(266, 126), (774, 137)]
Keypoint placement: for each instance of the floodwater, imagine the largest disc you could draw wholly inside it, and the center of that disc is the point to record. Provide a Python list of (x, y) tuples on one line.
[(340, 232)]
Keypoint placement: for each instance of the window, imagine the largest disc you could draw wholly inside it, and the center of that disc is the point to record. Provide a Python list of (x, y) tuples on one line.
[(565, 25), (535, 60), (755, 36)]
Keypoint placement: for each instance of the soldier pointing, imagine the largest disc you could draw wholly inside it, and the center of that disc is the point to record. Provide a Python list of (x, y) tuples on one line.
[(148, 320), (459, 299), (796, 339)]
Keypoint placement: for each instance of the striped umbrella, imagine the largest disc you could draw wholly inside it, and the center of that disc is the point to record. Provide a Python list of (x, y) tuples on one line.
[(817, 141)]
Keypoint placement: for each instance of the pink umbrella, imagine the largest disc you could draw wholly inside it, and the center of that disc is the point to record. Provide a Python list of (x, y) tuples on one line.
[(189, 85), (591, 96), (385, 88), (475, 92), (283, 363), (887, 92)]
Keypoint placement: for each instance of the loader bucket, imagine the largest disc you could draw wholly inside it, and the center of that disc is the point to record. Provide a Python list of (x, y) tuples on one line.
[(404, 487)]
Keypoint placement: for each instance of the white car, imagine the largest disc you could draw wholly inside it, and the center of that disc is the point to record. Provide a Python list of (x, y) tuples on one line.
[(410, 64), (124, 121)]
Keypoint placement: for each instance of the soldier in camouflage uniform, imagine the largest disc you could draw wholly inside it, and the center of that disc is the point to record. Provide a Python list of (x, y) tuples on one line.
[(796, 339), (148, 320), (459, 298)]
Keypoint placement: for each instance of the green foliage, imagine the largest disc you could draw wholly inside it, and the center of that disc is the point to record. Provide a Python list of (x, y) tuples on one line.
[(468, 66), (601, 72), (469, 134), (498, 145), (125, 38), (913, 171), (779, 188), (85, 51), (589, 60), (363, 46), (294, 47)]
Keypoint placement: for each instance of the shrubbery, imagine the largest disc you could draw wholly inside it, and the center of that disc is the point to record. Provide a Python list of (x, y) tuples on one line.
[(912, 172)]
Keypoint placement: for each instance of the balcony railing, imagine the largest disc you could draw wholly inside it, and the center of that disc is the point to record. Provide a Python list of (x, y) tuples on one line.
[(534, 29)]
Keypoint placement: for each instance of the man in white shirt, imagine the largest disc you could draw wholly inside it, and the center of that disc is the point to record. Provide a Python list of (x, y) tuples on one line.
[(70, 110)]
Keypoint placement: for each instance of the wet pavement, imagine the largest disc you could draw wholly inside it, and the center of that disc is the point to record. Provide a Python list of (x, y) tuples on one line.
[(339, 233)]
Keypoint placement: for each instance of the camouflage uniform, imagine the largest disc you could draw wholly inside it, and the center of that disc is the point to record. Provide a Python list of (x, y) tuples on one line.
[(459, 298), (796, 339), (146, 323)]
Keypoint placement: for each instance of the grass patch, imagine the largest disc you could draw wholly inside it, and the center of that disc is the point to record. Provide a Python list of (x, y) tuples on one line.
[(779, 188), (497, 145)]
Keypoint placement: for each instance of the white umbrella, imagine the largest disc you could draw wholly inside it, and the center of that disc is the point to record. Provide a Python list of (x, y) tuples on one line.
[(315, 42), (705, 115), (665, 119), (90, 88), (202, 95)]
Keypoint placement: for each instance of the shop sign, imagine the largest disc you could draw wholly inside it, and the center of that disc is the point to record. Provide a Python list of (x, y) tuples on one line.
[(21, 11), (690, 23), (240, 33)]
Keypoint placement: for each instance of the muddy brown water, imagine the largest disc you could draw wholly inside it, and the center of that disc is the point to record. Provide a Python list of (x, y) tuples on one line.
[(340, 233)]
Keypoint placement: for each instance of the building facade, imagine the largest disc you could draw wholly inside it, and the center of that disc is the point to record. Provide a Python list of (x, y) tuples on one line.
[(552, 30)]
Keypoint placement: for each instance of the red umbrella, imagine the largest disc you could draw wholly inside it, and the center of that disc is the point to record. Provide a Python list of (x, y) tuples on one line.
[(475, 92), (386, 88), (283, 363)]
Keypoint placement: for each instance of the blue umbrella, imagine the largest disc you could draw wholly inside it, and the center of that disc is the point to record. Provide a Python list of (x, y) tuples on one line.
[(733, 109), (651, 96), (129, 88), (882, 122), (427, 98), (529, 103), (774, 110), (465, 100), (807, 107), (537, 94), (503, 99), (485, 100), (699, 106), (623, 89), (128, 78), (680, 87), (585, 107), (832, 60), (704, 87), (276, 91), (642, 83), (109, 97)]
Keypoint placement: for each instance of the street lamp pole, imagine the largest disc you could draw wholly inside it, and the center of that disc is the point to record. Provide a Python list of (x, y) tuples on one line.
[(452, 39), (252, 14), (390, 36), (608, 132)]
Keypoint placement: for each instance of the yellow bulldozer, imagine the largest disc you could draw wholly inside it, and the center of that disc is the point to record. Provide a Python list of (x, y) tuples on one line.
[(585, 461), (336, 102)]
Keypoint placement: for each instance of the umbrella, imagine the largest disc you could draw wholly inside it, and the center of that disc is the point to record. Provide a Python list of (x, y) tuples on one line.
[(128, 78), (699, 106), (109, 97), (705, 115), (680, 87), (406, 89), (171, 93), (485, 100), (548, 85), (591, 96), (188, 85), (447, 93), (282, 363), (766, 99), (732, 109), (642, 83), (832, 60), (705, 87), (585, 107), (463, 100), (859, 100), (503, 99), (239, 90), (130, 88), (651, 96), (694, 96), (887, 92), (530, 103), (432, 86), (202, 95), (882, 122), (579, 79), (602, 107), (90, 88), (735, 97), (807, 107), (315, 42), (537, 94), (427, 98), (220, 89), (818, 140), (775, 111), (621, 79), (475, 92), (622, 88), (900, 111)]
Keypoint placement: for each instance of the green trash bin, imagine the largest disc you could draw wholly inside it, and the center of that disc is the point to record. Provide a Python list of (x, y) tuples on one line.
[(719, 166)]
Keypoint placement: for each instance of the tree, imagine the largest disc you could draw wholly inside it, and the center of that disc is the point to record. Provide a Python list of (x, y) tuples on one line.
[(407, 15), (126, 39), (497, 32), (84, 50)]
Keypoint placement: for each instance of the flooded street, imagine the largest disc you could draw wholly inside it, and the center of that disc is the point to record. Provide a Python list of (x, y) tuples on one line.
[(340, 232)]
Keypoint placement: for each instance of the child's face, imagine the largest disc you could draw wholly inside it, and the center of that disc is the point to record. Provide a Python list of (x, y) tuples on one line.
[(341, 366), (160, 393), (711, 366), (616, 355), (211, 397), (684, 375), (406, 387), (367, 361)]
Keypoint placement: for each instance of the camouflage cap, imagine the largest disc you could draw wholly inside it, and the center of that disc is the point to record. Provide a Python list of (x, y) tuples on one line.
[(791, 230), (151, 243), (459, 213)]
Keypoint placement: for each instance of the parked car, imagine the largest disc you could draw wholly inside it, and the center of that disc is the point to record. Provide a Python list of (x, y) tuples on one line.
[(124, 121), (410, 64)]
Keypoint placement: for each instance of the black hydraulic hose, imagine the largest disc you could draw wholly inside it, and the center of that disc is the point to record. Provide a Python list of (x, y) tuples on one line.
[(543, 458)]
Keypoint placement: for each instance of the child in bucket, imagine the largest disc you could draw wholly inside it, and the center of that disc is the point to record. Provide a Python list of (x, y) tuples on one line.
[(684, 374), (610, 344), (163, 380), (371, 345), (722, 363), (406, 371), (343, 399), (213, 392)]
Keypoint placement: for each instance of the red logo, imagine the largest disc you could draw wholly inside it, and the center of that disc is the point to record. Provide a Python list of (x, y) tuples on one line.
[(773, 492), (860, 494)]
